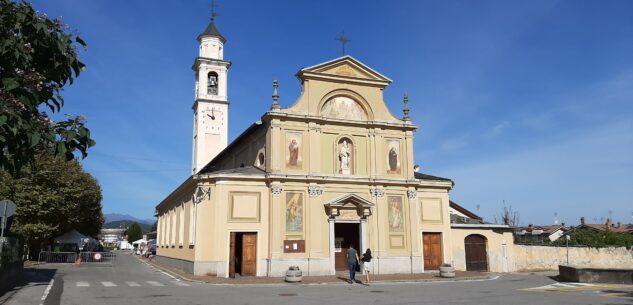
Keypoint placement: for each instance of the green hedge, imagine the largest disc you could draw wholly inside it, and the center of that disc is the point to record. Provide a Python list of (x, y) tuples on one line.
[(597, 239)]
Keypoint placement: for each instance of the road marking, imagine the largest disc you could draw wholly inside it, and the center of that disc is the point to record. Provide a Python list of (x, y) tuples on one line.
[(571, 287), (133, 284), (108, 284), (179, 283), (154, 283), (83, 284), (47, 291)]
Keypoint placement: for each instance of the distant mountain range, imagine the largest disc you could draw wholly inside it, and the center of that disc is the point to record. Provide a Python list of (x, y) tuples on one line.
[(116, 217), (123, 224)]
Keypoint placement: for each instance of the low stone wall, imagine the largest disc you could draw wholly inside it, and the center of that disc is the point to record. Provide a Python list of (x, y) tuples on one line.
[(532, 258), (593, 275)]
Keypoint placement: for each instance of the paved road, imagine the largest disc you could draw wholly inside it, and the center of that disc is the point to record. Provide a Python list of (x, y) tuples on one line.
[(131, 281)]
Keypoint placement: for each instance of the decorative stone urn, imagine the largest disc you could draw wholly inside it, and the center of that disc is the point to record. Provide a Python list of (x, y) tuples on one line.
[(446, 270), (294, 274)]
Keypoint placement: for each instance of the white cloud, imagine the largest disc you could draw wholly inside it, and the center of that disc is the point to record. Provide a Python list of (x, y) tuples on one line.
[(499, 128), (455, 143)]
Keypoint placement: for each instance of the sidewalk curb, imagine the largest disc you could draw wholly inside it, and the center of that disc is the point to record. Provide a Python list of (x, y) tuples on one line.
[(465, 279), (173, 274)]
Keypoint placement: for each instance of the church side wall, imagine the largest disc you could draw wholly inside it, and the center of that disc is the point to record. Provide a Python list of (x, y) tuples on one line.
[(235, 206), (174, 247)]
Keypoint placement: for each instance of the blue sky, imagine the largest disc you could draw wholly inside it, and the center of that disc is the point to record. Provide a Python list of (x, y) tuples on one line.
[(530, 102)]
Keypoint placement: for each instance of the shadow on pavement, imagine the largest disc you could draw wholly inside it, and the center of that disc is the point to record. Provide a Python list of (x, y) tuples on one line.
[(28, 277)]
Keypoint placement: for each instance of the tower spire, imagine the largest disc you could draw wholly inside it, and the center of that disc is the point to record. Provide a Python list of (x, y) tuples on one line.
[(275, 105), (406, 108)]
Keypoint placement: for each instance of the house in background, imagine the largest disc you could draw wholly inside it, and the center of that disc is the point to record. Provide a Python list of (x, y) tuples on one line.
[(617, 227), (477, 245), (540, 234), (111, 237)]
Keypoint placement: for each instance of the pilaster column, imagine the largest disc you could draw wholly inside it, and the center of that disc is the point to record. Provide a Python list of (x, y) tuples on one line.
[(332, 266), (363, 236)]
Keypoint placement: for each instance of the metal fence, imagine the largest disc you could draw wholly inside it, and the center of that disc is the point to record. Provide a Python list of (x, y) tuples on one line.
[(57, 257), (98, 257), (106, 258)]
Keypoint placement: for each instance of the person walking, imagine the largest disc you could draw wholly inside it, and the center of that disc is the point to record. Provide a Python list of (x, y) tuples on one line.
[(352, 258), (367, 264)]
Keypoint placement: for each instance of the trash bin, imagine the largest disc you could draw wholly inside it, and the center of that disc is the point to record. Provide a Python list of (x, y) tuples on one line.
[(294, 274)]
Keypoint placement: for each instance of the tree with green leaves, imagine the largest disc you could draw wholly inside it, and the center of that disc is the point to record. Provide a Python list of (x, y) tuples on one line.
[(134, 232), (38, 57), (53, 197), (595, 238)]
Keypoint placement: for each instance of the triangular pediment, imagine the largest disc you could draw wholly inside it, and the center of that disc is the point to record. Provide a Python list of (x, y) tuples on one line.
[(345, 67), (342, 206), (350, 200)]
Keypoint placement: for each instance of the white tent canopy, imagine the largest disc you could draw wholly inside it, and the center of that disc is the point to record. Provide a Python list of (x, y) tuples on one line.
[(124, 245)]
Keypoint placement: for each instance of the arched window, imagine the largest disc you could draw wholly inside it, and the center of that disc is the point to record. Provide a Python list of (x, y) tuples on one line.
[(212, 83)]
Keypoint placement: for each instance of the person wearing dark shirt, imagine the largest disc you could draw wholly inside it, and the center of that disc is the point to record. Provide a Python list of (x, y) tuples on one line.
[(366, 260), (352, 258)]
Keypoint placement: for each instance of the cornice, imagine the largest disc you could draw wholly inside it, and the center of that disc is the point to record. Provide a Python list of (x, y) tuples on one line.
[(286, 116), (305, 75), (327, 179), (208, 60)]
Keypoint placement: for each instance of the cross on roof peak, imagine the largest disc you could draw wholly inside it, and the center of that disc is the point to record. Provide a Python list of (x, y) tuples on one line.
[(213, 12), (343, 40)]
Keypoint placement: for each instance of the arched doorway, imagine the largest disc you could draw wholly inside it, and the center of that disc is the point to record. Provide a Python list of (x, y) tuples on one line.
[(476, 253)]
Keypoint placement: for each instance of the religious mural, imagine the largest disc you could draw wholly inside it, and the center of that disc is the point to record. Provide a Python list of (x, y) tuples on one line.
[(294, 212), (343, 107), (393, 157), (395, 214), (293, 150)]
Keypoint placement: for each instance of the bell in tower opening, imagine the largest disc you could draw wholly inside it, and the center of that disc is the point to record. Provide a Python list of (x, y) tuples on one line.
[(212, 83)]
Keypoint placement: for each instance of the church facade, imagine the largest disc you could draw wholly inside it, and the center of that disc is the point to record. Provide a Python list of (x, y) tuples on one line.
[(304, 183)]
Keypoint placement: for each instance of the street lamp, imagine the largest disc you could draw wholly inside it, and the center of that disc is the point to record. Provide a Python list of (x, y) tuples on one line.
[(567, 238)]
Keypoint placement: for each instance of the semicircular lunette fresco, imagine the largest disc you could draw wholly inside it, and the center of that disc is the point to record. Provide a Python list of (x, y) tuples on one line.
[(343, 107)]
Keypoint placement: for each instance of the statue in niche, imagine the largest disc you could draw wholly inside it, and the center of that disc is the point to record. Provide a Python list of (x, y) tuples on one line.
[(344, 156), (393, 156), (393, 159)]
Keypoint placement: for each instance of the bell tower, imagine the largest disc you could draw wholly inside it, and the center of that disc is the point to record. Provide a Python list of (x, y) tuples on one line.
[(211, 104)]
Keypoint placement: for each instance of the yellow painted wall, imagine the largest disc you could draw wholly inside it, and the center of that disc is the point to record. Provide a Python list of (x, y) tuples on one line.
[(494, 243), (176, 245)]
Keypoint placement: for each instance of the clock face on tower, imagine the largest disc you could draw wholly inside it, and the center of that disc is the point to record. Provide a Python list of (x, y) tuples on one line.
[(212, 120)]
